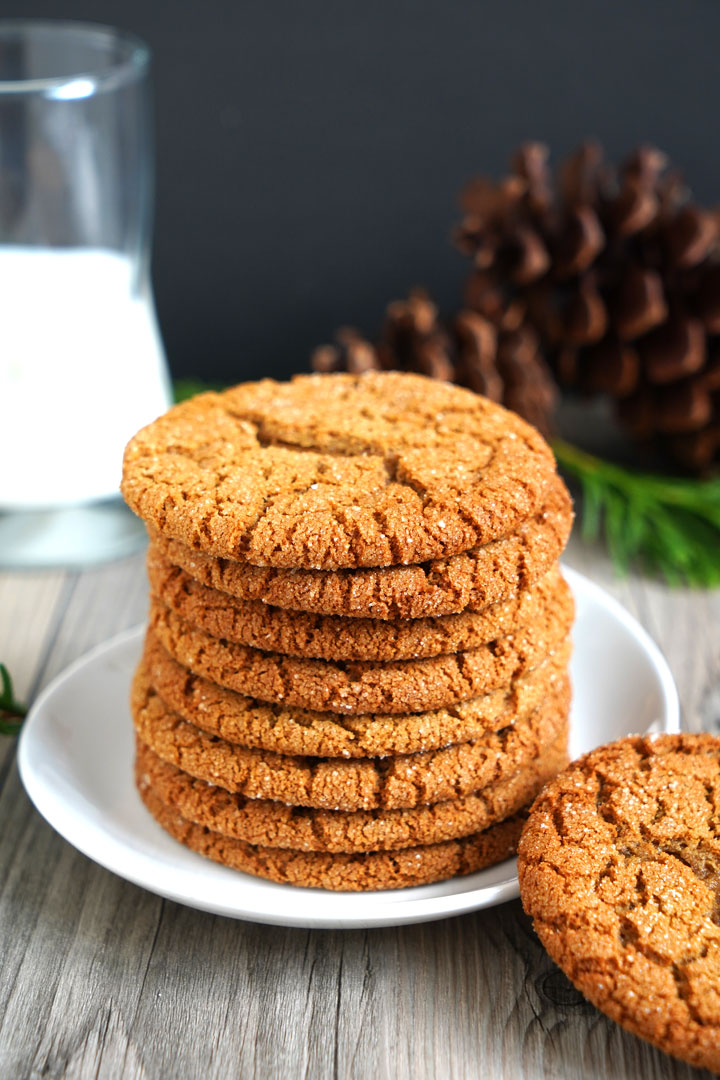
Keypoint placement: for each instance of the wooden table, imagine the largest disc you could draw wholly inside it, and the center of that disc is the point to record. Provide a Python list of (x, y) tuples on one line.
[(102, 979)]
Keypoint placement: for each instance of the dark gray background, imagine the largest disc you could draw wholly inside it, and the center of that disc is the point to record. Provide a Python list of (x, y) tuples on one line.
[(309, 153)]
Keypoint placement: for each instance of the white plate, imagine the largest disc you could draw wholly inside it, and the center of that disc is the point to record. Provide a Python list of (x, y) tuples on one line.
[(76, 752)]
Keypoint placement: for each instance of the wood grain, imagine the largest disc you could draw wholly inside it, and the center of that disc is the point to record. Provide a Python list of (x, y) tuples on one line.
[(101, 979)]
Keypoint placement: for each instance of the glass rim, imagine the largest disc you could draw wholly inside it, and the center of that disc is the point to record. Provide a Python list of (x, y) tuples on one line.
[(87, 80)]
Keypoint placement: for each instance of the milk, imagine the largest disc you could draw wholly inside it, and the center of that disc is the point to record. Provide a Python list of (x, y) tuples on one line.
[(81, 369)]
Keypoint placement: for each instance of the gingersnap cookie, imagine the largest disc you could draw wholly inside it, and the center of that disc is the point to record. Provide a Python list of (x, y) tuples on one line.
[(333, 637), (303, 732), (339, 784), (620, 870), (331, 471), (274, 824), (365, 686), (466, 582), (341, 873)]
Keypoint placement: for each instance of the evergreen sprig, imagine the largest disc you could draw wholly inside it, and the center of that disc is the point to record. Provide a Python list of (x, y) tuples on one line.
[(670, 524), (12, 712), (187, 388)]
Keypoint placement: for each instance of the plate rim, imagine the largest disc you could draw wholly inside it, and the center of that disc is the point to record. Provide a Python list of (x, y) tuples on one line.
[(74, 827)]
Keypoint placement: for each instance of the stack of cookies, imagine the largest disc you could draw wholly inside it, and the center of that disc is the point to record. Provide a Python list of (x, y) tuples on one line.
[(355, 668)]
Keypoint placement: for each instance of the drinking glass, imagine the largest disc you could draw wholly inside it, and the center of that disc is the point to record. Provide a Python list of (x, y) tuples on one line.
[(81, 360)]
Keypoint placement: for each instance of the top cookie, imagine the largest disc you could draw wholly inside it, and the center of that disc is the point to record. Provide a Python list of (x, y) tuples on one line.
[(337, 471), (620, 869)]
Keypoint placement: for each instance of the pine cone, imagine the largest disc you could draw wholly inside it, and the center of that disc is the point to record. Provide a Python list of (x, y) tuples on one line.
[(499, 357), (618, 273)]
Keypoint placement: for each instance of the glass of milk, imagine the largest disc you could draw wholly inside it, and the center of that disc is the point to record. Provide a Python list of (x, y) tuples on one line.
[(81, 360)]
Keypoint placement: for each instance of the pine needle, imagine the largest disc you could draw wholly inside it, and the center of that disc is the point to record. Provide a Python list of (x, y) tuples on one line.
[(12, 712), (671, 525), (187, 388)]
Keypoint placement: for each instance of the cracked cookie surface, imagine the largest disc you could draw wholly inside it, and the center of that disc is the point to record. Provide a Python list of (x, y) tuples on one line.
[(287, 730), (338, 784), (274, 824), (331, 471), (333, 637), (339, 872), (619, 868), (467, 582), (358, 686)]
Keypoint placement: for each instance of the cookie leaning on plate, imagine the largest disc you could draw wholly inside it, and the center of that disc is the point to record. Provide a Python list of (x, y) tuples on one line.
[(619, 868), (337, 471)]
